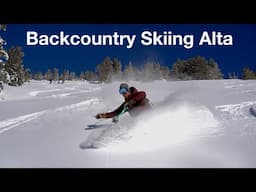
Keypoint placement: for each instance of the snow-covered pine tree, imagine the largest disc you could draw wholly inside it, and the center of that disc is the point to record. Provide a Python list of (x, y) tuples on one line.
[(197, 68), (90, 76), (55, 75), (38, 76), (27, 75), (117, 70), (14, 66), (129, 73), (233, 75), (65, 75), (105, 70), (72, 76), (3, 59), (248, 74), (151, 71), (165, 72), (49, 75), (179, 71), (82, 76), (214, 71)]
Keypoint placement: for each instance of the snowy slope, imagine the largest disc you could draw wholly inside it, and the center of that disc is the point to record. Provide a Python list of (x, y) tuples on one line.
[(193, 124)]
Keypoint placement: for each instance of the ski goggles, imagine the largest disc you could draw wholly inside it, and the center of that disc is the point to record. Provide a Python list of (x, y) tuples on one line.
[(123, 91)]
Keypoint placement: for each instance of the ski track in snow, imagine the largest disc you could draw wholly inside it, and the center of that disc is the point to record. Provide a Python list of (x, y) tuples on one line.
[(76, 105), (14, 122), (8, 124), (63, 94), (71, 93), (237, 111), (35, 93), (232, 86)]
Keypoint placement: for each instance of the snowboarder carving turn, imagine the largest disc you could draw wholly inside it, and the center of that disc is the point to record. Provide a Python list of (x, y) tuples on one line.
[(135, 103)]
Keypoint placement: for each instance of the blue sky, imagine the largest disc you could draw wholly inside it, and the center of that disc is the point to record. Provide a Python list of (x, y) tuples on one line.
[(80, 58)]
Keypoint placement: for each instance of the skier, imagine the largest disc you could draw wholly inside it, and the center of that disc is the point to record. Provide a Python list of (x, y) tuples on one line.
[(135, 102)]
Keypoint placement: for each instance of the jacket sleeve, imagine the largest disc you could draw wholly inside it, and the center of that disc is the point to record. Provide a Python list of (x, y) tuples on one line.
[(115, 112)]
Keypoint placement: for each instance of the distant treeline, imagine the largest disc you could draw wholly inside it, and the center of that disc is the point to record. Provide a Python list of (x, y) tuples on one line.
[(195, 68)]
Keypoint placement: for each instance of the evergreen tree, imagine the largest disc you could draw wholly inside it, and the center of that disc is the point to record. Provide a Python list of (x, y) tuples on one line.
[(38, 76), (55, 74), (72, 76), (90, 76), (151, 71), (156, 74), (117, 67), (65, 75), (179, 70), (137, 74), (129, 72), (214, 71), (197, 68), (105, 70), (49, 76), (165, 72), (82, 76), (147, 71), (3, 27), (117, 70), (4, 76), (248, 74), (233, 75), (14, 66), (27, 75)]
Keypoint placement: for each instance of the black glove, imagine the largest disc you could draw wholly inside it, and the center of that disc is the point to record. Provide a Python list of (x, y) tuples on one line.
[(100, 116), (129, 104), (115, 119)]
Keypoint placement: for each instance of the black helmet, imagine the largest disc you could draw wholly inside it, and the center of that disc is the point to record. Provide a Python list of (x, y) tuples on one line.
[(124, 88), (124, 85)]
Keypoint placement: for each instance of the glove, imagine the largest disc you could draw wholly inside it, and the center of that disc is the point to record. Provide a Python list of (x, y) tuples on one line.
[(100, 115), (115, 119), (129, 104)]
